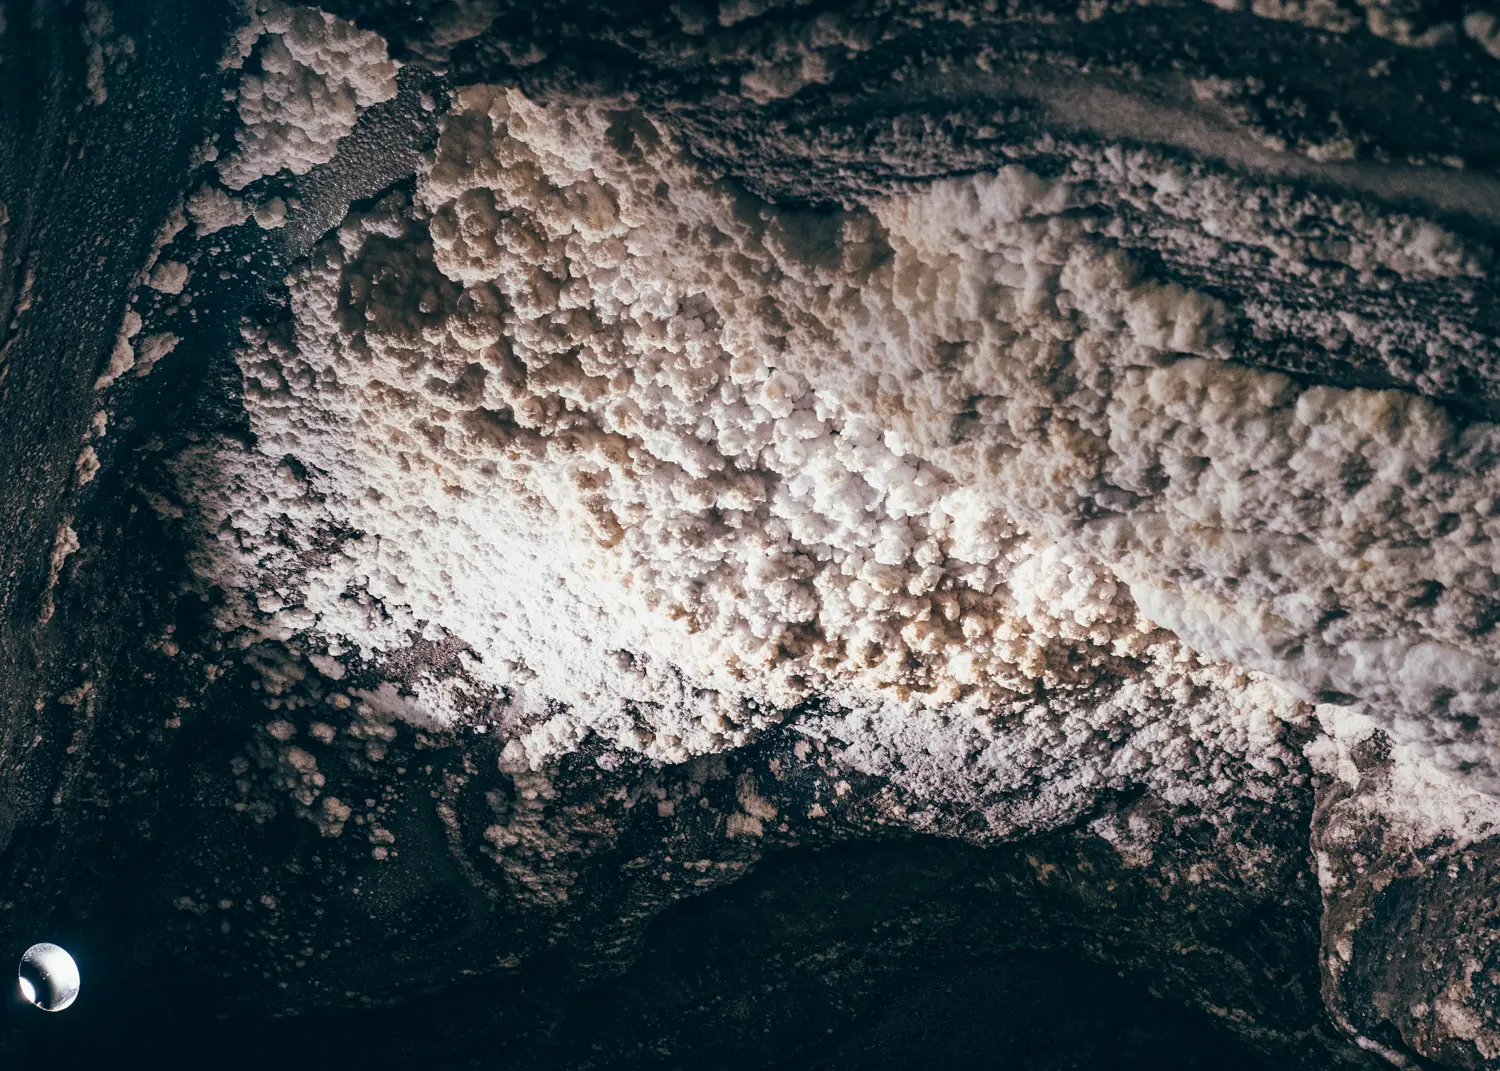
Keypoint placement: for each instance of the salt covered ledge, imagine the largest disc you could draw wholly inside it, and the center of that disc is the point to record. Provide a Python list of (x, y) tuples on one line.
[(583, 399)]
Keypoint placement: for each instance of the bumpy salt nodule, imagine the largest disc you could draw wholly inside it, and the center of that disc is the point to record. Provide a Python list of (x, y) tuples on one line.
[(675, 458), (317, 74)]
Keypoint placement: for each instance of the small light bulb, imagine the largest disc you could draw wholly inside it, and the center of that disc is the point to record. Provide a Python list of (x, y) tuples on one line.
[(48, 977)]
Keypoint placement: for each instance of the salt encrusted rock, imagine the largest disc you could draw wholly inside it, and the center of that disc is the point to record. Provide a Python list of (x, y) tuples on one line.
[(211, 210), (686, 468), (974, 435), (317, 74)]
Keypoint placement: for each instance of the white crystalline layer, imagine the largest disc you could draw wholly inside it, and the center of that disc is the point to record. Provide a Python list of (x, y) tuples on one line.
[(168, 276), (211, 210), (668, 456), (105, 52), (1421, 803), (64, 545), (272, 214), (122, 356), (1484, 28), (318, 74), (86, 467), (153, 348)]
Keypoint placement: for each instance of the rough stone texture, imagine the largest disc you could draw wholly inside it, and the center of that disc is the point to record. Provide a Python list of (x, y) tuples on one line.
[(171, 789), (1408, 921)]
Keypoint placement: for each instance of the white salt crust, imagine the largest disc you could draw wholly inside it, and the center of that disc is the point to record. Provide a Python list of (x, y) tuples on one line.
[(271, 215), (122, 355), (211, 210), (785, 56), (1393, 20), (318, 73), (105, 52), (168, 276), (672, 459), (810, 51), (86, 467), (63, 546)]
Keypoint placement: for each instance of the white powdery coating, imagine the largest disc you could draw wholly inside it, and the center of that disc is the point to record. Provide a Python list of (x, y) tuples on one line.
[(1484, 28), (1192, 733), (661, 452), (122, 355), (152, 349), (168, 276), (104, 51), (318, 74), (86, 467), (1393, 20), (1421, 803), (271, 215), (63, 546), (211, 210)]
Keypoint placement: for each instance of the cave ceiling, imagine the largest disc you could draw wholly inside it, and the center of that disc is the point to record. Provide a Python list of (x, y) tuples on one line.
[(794, 533)]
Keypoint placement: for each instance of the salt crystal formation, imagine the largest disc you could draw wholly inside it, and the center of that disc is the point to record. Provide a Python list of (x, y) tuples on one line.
[(609, 423), (317, 74)]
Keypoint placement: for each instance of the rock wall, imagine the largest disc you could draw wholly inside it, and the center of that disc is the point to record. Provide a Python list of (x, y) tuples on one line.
[(565, 478)]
